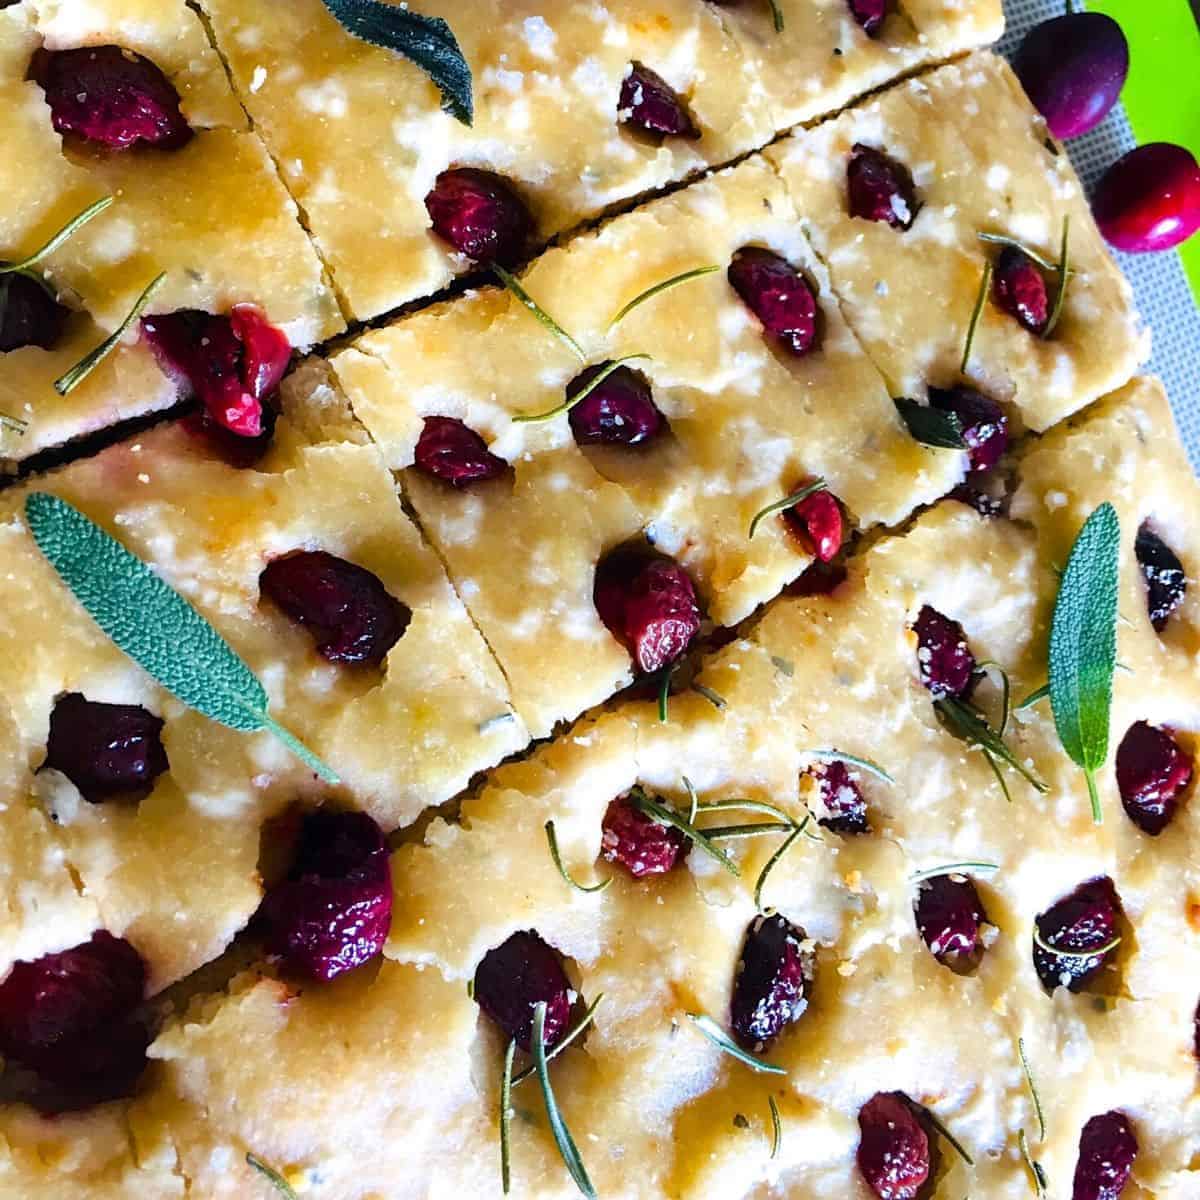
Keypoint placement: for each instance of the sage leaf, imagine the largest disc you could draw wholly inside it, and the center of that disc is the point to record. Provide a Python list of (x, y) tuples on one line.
[(930, 426), (154, 625), (1083, 646), (562, 1135), (428, 42)]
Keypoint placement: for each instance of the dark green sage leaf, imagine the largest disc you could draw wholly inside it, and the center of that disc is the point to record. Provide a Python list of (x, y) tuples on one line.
[(154, 625), (428, 42), (562, 1135), (271, 1175), (552, 838), (930, 426), (1083, 646), (725, 1043)]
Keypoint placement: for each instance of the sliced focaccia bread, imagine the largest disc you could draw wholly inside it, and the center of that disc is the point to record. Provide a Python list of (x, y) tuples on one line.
[(1006, 862), (308, 565), (895, 194), (529, 461), (815, 56), (168, 143), (577, 106)]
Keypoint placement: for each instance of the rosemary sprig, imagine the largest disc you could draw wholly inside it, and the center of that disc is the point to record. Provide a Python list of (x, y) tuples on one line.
[(773, 861), (974, 729), (776, 15), (13, 423), (1042, 693), (776, 1127), (693, 799), (668, 816), (1064, 275), (725, 1043), (581, 395), (973, 325), (271, 1175), (714, 698), (1099, 951), (1036, 1171), (936, 1122), (817, 485), (1000, 239), (562, 1135), (865, 764), (64, 385), (572, 1034), (665, 286), (664, 692), (989, 664), (739, 804), (506, 1084), (69, 230), (953, 868), (1037, 1100), (734, 833), (552, 839), (540, 315)]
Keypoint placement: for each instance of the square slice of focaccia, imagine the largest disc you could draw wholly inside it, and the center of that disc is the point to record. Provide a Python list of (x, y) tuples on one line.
[(210, 212), (361, 138), (823, 57), (741, 423), (979, 161), (177, 872), (847, 673)]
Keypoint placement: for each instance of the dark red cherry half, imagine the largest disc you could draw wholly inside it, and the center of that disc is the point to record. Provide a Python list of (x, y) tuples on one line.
[(843, 801), (480, 215), (453, 452), (817, 521), (638, 842), (1019, 289), (70, 1017), (869, 14), (984, 425), (770, 983), (111, 97), (353, 617), (1153, 772), (893, 1150), (1107, 1149), (517, 976), (649, 104), (950, 918), (232, 364), (29, 314), (944, 659), (105, 750), (333, 911), (880, 188), (1166, 580), (778, 295), (1082, 922), (648, 604), (618, 411)]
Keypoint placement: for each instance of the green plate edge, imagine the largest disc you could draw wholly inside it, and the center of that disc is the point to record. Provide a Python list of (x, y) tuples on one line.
[(1162, 96)]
